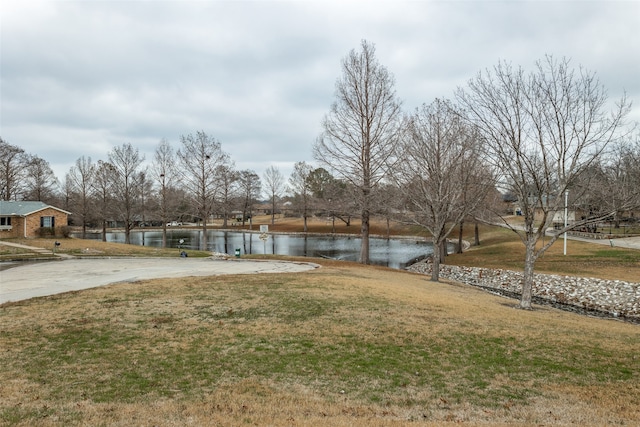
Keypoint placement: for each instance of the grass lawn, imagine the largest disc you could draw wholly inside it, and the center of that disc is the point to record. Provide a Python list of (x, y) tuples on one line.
[(344, 345)]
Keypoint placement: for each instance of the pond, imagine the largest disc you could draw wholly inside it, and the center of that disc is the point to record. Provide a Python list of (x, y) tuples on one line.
[(395, 252)]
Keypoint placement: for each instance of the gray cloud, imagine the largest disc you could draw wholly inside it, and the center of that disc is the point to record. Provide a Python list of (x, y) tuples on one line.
[(79, 78)]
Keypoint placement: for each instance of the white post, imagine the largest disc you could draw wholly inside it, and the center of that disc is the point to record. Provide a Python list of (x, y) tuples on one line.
[(566, 201)]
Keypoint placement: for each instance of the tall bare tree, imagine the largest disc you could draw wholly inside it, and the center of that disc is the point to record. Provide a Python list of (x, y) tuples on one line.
[(144, 186), (228, 179), (361, 130), (13, 162), (40, 182), (300, 186), (80, 179), (163, 172), (441, 175), (126, 162), (250, 189), (274, 187), (66, 195), (103, 186), (199, 159), (543, 130)]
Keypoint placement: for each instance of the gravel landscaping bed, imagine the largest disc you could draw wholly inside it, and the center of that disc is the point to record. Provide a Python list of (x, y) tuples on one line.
[(598, 297)]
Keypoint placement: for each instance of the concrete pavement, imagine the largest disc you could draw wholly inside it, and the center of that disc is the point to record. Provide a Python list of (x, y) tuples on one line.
[(29, 280), (625, 242)]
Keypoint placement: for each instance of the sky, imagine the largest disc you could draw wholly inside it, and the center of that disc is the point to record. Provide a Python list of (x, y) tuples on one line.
[(78, 78)]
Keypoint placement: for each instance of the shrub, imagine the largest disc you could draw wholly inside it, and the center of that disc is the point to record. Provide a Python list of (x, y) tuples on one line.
[(63, 231), (46, 232)]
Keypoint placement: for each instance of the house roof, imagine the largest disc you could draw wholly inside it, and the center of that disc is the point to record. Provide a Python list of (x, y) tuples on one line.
[(24, 208)]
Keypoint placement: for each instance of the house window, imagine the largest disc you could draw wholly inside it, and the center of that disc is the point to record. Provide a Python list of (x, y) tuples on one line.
[(5, 223), (47, 221)]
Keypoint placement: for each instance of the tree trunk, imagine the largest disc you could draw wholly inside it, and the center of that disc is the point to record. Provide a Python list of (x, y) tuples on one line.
[(203, 239), (459, 249), (364, 234), (527, 282), (476, 233), (388, 228), (164, 234), (305, 222), (442, 247), (435, 271), (104, 230), (273, 212), (127, 232)]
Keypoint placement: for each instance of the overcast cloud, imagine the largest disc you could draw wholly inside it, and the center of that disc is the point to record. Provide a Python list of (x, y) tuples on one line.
[(80, 77)]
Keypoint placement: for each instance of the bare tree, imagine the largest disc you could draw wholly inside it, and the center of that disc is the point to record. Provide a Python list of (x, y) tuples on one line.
[(40, 182), (228, 179), (66, 196), (80, 180), (250, 189), (163, 172), (361, 130), (274, 183), (126, 161), (13, 161), (543, 131), (200, 157), (103, 185), (441, 173), (144, 186), (299, 183)]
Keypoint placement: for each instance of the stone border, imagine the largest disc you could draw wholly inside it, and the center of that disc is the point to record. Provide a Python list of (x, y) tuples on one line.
[(598, 297)]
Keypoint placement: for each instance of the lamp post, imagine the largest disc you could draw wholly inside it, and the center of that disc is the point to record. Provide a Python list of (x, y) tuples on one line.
[(566, 202)]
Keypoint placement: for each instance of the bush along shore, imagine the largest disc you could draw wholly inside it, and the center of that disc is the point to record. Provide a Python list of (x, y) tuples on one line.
[(591, 296)]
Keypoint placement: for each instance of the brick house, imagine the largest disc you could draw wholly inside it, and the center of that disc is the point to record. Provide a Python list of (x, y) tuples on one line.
[(27, 219)]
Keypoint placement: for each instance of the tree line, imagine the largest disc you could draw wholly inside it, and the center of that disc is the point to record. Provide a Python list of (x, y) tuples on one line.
[(197, 180), (547, 139)]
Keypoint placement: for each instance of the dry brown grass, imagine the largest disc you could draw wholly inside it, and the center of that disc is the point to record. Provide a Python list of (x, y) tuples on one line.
[(344, 345)]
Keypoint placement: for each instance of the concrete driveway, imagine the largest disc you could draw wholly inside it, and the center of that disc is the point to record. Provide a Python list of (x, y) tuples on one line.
[(30, 280)]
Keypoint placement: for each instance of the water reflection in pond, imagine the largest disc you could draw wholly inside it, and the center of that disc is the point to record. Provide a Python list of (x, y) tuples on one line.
[(395, 253)]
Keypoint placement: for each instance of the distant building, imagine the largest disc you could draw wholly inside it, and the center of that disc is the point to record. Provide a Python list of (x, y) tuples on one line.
[(27, 219)]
